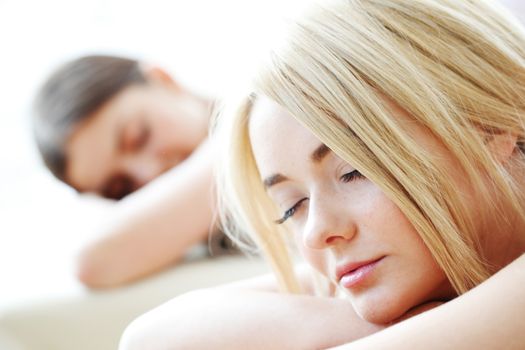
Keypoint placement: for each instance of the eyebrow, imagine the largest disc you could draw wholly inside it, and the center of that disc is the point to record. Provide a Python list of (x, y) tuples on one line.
[(274, 180), (319, 153), (317, 156)]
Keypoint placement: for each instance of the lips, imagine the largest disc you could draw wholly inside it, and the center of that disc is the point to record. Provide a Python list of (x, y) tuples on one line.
[(356, 270)]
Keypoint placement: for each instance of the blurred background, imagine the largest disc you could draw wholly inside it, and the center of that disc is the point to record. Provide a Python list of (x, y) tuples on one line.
[(208, 45)]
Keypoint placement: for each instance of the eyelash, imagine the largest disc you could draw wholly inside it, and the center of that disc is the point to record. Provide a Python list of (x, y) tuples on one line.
[(134, 139), (143, 137), (351, 176), (290, 212)]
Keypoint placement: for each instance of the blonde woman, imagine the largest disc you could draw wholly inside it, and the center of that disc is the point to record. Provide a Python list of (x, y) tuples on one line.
[(383, 142)]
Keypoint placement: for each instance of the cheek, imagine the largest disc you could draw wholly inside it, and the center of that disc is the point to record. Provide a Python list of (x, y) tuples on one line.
[(399, 238), (315, 258), (413, 274), (183, 133), (381, 225), (409, 276), (318, 259), (167, 134), (382, 220)]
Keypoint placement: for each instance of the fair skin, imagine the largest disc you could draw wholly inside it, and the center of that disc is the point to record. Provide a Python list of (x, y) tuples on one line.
[(149, 139), (140, 133), (341, 220), (404, 283), (489, 317)]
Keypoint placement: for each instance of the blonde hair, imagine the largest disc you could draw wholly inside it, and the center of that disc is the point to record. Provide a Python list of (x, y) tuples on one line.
[(456, 67)]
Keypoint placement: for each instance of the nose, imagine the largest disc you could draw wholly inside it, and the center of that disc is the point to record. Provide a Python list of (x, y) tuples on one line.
[(329, 223), (144, 169)]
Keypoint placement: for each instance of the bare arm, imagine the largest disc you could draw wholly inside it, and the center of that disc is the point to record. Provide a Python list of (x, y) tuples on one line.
[(489, 316), (250, 314), (233, 317), (154, 226)]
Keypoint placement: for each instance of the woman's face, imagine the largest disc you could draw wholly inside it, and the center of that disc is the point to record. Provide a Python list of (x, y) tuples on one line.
[(136, 136), (344, 225)]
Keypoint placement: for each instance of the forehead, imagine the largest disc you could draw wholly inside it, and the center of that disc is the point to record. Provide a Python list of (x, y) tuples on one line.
[(277, 139), (88, 151)]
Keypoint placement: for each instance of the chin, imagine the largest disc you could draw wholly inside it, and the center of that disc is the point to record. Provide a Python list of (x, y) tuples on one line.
[(380, 309), (378, 315)]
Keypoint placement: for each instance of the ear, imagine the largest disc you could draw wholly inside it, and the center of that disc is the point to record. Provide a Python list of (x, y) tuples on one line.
[(157, 75), (502, 146)]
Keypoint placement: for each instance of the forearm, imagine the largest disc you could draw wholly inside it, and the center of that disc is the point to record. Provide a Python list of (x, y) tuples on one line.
[(223, 318), (153, 227), (488, 317)]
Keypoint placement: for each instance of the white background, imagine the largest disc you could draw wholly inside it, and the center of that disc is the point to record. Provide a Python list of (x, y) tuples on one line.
[(206, 44)]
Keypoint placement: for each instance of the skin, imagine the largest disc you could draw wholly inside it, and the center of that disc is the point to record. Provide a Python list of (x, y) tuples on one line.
[(150, 140), (339, 220), (249, 314), (154, 227), (489, 316), (137, 135)]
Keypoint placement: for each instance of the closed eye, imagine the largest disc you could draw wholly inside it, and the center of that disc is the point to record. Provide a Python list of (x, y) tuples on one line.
[(290, 212), (351, 176), (134, 136), (143, 137)]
